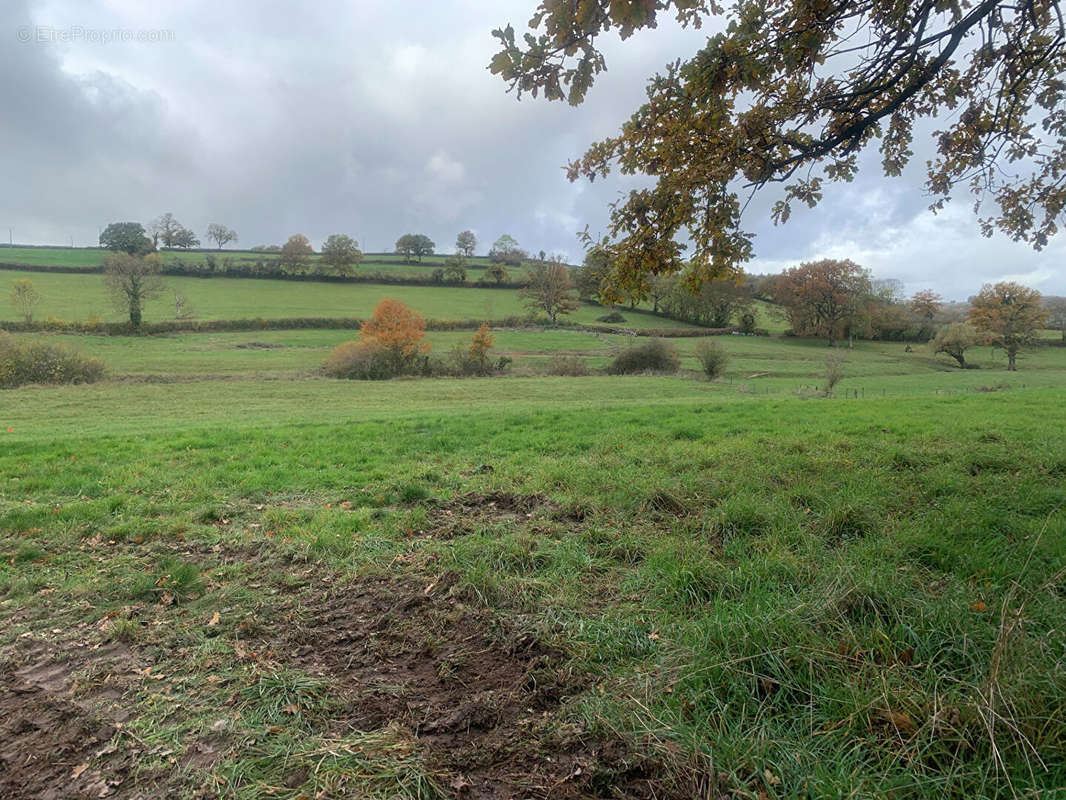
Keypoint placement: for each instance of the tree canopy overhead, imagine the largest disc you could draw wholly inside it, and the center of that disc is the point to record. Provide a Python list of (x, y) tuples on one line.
[(791, 93)]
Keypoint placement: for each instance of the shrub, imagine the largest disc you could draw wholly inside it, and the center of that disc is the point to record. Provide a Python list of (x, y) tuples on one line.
[(457, 363), (569, 366), (712, 357), (613, 317), (398, 331), (25, 298), (480, 345), (367, 361), (471, 360), (834, 371), (747, 322), (43, 362), (658, 355)]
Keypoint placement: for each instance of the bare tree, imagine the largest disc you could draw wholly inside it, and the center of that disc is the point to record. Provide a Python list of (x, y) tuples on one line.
[(220, 234), (834, 371), (466, 244), (25, 298), (182, 307), (165, 230)]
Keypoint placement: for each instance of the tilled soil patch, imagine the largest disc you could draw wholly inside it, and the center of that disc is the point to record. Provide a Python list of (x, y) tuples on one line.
[(481, 699)]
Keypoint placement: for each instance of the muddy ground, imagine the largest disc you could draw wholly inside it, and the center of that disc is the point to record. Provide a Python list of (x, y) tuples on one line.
[(485, 701)]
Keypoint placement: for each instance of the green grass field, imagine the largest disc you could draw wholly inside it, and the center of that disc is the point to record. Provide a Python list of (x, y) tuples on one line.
[(786, 594), (81, 297), (783, 364), (94, 257), (223, 575)]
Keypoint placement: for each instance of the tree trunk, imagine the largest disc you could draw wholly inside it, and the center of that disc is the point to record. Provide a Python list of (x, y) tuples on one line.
[(1011, 355), (135, 315)]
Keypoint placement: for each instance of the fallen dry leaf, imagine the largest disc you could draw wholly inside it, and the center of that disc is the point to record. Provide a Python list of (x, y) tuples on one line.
[(898, 720), (78, 770), (214, 619), (460, 784), (979, 607)]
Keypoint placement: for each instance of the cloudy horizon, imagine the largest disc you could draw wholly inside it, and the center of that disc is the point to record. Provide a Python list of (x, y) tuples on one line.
[(377, 119)]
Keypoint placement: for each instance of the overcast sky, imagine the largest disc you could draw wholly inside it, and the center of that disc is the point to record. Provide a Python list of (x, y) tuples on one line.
[(376, 118)]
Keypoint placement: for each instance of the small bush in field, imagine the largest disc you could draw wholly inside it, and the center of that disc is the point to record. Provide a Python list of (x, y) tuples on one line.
[(457, 363), (656, 355), (614, 316), (22, 363), (712, 357), (480, 345), (367, 361), (398, 332), (569, 366), (834, 370)]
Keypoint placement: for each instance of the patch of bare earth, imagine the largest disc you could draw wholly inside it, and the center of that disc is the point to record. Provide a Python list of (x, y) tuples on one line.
[(57, 735), (483, 701), (469, 512)]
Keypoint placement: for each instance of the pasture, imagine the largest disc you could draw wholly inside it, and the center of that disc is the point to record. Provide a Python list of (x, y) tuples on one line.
[(82, 297), (94, 257), (223, 575)]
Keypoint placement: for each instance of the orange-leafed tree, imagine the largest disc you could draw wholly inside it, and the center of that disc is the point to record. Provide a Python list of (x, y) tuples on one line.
[(828, 298), (480, 345), (1010, 315), (398, 330), (926, 304)]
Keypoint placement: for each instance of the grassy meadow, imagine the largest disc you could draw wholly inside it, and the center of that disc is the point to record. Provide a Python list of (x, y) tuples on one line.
[(388, 263), (94, 257), (223, 575), (79, 298)]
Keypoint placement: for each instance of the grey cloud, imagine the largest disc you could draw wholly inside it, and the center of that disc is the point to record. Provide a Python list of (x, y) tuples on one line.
[(377, 118)]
